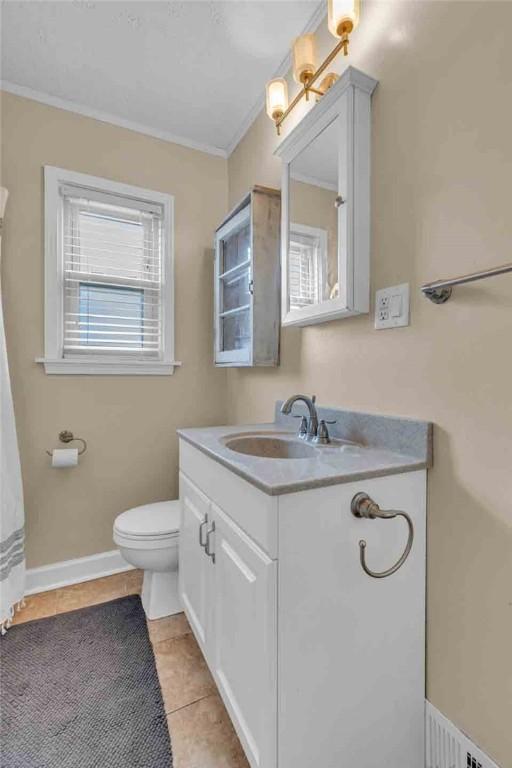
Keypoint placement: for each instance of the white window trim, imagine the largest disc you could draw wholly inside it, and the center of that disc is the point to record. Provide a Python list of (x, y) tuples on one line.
[(53, 360)]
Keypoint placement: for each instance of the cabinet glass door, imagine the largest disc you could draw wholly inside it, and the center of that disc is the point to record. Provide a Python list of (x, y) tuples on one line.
[(234, 289)]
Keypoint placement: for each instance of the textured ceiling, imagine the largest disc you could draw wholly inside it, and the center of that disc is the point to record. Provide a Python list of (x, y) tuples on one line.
[(189, 69)]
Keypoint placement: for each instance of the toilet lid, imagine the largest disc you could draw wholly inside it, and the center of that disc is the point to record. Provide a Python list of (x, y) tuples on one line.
[(159, 519)]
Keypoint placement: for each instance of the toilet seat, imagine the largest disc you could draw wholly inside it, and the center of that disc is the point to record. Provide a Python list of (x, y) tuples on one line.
[(150, 526)]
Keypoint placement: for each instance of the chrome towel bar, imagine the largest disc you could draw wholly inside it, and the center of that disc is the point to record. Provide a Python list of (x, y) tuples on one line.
[(364, 507), (440, 290)]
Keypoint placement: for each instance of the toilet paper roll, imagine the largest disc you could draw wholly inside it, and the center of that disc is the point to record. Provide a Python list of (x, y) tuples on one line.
[(64, 457)]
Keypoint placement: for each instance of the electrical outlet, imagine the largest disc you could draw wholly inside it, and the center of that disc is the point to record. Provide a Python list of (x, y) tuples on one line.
[(392, 307)]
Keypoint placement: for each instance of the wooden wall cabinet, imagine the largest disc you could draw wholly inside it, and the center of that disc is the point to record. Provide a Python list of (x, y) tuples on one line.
[(247, 282)]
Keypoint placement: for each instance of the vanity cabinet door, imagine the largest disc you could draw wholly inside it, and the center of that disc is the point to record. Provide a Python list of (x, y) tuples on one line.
[(194, 565), (245, 638)]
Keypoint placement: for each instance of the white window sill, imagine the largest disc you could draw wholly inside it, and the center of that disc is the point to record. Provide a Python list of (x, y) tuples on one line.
[(88, 367)]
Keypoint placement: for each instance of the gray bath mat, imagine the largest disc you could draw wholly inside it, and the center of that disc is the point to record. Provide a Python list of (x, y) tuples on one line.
[(80, 690)]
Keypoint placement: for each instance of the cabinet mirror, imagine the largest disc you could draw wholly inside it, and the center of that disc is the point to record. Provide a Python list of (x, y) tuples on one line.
[(325, 243), (313, 227)]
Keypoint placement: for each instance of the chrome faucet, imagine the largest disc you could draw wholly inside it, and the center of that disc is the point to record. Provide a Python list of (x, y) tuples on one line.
[(312, 429)]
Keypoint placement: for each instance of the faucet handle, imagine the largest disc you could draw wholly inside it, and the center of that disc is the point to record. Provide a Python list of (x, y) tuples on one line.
[(303, 429), (322, 436)]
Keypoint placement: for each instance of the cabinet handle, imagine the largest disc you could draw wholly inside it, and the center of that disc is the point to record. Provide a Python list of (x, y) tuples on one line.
[(339, 201), (207, 547), (363, 506), (251, 287), (201, 527)]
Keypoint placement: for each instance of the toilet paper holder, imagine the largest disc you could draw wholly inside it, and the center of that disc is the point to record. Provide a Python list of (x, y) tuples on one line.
[(67, 437)]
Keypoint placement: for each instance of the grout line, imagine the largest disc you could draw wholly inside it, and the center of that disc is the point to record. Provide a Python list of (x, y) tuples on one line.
[(154, 643), (169, 639), (184, 706)]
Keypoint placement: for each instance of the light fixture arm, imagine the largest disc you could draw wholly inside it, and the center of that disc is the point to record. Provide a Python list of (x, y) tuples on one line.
[(307, 87), (342, 19)]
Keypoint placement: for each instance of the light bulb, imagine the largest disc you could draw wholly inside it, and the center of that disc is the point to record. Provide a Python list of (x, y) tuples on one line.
[(304, 58), (277, 98), (343, 16)]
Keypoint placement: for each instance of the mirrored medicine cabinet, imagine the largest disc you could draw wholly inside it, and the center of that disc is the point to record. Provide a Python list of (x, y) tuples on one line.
[(325, 224)]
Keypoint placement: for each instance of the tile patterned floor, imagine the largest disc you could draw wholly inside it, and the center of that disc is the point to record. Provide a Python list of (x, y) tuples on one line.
[(201, 731)]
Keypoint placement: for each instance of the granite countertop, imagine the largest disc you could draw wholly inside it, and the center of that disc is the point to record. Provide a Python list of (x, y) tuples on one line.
[(363, 446)]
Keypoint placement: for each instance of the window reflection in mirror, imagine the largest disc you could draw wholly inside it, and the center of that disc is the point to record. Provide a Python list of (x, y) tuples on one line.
[(313, 241)]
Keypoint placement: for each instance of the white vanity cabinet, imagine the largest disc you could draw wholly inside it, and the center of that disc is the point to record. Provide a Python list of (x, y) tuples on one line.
[(318, 664)]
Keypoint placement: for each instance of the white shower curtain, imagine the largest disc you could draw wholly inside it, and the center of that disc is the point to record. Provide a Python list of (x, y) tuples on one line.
[(12, 532)]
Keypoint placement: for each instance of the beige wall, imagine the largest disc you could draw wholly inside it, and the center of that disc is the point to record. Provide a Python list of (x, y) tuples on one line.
[(128, 421), (442, 172)]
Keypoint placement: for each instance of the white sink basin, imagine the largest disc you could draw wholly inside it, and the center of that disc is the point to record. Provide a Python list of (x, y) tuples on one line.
[(268, 447)]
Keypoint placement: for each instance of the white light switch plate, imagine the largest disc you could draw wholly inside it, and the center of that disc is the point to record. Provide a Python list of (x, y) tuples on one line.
[(392, 307)]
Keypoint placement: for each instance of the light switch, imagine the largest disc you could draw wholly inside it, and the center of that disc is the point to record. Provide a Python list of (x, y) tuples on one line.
[(392, 307), (395, 306)]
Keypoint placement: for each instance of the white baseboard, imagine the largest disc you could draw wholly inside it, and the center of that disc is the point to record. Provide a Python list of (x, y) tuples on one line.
[(74, 571), (448, 747)]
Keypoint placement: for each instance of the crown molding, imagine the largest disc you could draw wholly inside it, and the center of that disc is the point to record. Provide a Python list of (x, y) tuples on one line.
[(314, 22), (106, 117)]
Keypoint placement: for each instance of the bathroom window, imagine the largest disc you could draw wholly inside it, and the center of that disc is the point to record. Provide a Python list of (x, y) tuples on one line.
[(109, 280), (98, 309)]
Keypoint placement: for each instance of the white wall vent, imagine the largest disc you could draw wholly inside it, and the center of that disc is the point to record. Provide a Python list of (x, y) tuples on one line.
[(447, 747)]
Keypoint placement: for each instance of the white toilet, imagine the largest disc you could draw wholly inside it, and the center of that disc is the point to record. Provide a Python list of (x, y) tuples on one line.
[(147, 538)]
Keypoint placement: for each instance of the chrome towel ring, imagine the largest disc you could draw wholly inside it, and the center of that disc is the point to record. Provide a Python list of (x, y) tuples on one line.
[(363, 506)]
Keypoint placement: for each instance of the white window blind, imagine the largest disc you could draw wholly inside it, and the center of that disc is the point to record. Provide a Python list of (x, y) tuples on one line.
[(113, 275), (306, 266)]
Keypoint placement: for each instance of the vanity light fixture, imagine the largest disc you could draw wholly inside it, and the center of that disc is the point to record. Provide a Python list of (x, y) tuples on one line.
[(277, 98), (304, 59), (343, 18)]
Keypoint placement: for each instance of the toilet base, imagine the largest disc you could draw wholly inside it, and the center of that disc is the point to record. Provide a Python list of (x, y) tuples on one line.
[(160, 594)]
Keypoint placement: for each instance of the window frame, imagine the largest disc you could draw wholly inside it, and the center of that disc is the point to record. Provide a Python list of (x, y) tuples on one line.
[(54, 360)]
